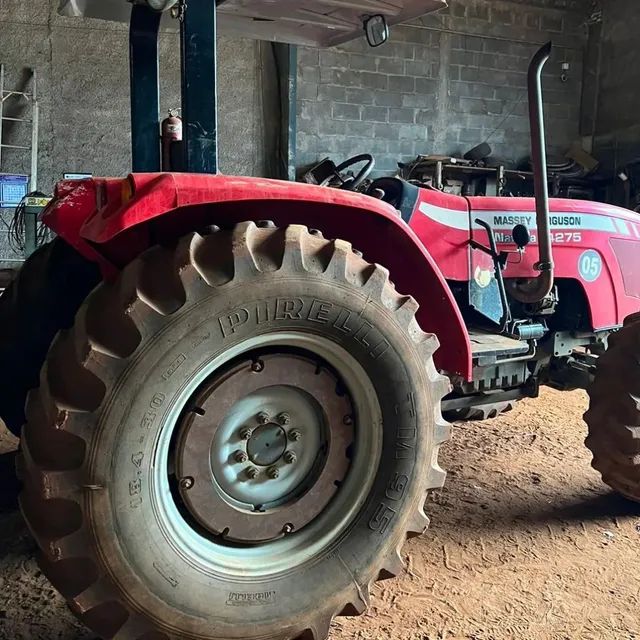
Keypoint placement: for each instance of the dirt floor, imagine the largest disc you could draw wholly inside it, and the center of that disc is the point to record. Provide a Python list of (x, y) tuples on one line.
[(525, 543)]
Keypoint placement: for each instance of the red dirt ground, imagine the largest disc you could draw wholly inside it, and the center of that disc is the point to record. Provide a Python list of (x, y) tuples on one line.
[(525, 543)]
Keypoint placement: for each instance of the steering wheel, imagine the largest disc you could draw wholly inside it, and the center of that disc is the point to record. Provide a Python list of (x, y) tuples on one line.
[(350, 183)]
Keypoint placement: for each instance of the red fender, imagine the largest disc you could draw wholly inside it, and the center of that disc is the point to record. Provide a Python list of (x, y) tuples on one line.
[(113, 221)]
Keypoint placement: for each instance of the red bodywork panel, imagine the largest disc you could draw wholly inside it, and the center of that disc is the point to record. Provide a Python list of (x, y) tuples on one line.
[(595, 244), (112, 221)]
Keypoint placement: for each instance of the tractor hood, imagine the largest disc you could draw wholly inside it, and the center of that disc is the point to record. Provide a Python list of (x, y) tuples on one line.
[(319, 23)]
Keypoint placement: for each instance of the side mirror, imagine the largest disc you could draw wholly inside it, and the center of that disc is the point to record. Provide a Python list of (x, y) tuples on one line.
[(521, 236), (377, 30)]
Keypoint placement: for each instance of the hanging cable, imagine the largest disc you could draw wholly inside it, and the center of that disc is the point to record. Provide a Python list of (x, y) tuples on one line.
[(17, 226)]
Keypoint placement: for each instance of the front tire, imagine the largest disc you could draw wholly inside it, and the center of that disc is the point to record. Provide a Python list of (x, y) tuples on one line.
[(152, 408), (613, 417)]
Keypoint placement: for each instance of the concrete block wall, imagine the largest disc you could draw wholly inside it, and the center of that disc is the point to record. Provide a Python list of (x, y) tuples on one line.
[(84, 91), (443, 84), (84, 94)]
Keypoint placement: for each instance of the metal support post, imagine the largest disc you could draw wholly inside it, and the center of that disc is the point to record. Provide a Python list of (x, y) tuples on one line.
[(199, 86), (145, 89), (35, 133), (291, 111)]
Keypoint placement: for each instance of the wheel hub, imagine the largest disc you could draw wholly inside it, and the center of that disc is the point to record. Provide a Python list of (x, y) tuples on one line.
[(267, 444), (265, 448)]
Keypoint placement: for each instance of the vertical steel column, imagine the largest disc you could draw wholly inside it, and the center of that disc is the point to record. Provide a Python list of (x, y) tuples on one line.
[(292, 111), (145, 89), (1, 109), (199, 86), (35, 133)]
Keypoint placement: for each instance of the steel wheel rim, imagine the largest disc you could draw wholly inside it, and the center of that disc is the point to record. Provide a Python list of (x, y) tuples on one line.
[(265, 448), (319, 536)]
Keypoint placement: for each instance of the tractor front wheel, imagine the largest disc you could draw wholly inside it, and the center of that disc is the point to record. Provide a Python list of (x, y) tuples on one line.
[(234, 440), (613, 417)]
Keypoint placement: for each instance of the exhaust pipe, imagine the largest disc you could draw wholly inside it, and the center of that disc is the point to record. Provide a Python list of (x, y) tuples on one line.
[(536, 289)]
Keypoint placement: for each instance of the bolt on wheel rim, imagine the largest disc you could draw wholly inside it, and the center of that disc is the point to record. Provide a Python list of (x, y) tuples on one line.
[(265, 449)]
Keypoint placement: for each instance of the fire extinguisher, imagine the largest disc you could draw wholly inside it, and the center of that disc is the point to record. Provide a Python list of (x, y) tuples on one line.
[(171, 137)]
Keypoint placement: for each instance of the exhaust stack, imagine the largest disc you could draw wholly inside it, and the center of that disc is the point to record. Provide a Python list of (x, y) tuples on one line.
[(538, 288)]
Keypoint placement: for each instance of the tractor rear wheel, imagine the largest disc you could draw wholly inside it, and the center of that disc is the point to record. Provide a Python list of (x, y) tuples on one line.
[(613, 417), (42, 299), (234, 440)]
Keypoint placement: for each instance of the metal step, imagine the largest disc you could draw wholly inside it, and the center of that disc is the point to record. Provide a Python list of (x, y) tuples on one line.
[(487, 345)]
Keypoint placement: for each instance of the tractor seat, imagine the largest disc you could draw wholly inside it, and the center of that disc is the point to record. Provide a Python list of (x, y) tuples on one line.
[(398, 193), (392, 188)]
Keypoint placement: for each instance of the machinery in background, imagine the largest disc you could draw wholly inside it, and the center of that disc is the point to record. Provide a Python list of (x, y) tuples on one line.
[(478, 173)]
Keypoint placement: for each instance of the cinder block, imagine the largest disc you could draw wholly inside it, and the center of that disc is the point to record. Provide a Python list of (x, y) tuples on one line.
[(332, 93), (426, 86), (420, 101), (356, 95), (552, 22), (402, 84), (308, 73), (467, 43), (343, 111), (307, 91), (375, 114), (387, 99), (363, 62), (386, 131), (378, 81), (333, 58), (402, 116), (419, 68), (502, 15), (391, 65), (413, 132)]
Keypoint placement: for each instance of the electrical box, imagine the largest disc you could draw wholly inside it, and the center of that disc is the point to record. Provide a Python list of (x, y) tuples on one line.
[(13, 188)]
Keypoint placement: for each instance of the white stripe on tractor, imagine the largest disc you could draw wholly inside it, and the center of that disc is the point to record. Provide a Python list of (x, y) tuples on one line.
[(446, 217), (559, 220)]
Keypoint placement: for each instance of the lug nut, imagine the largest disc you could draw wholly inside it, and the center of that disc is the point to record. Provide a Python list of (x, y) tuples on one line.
[(257, 366), (246, 433), (288, 528), (273, 472), (263, 417), (347, 420), (240, 456), (186, 483), (284, 419), (251, 473), (290, 457), (295, 435)]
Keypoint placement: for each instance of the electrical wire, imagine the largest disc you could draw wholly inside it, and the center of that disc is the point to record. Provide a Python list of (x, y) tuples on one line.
[(515, 105), (17, 226)]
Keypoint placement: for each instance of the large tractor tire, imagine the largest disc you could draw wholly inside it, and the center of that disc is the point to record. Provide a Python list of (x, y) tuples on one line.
[(234, 440), (43, 299), (613, 417)]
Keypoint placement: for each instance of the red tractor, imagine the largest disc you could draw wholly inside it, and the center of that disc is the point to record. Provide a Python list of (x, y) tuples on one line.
[(238, 384)]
